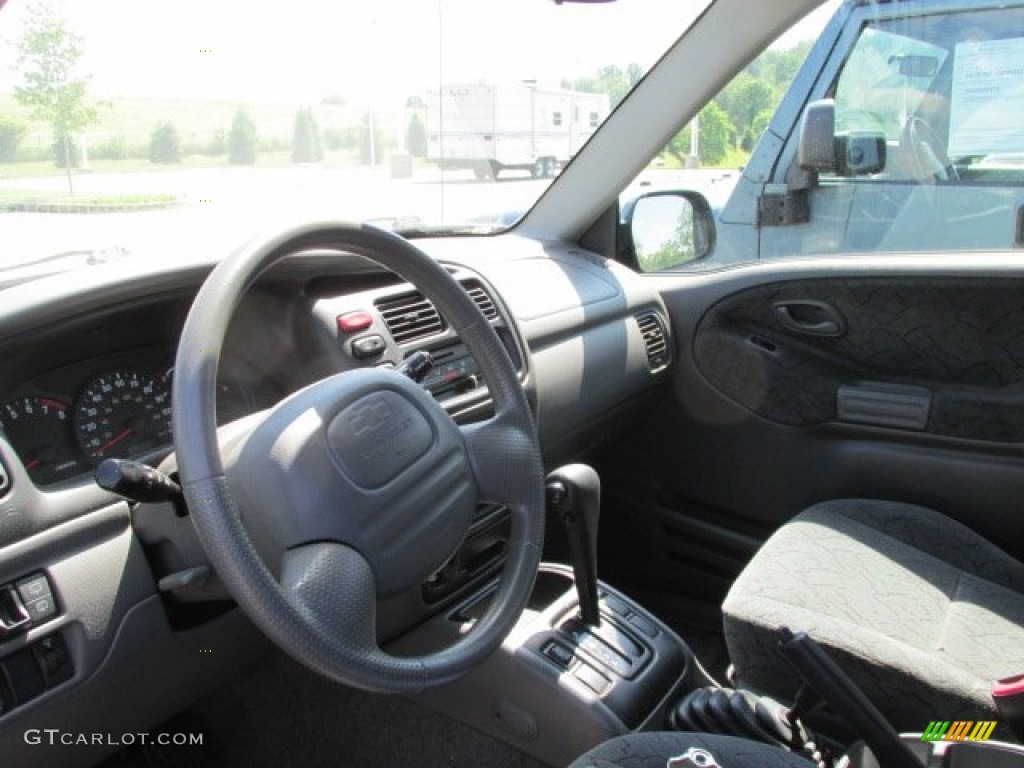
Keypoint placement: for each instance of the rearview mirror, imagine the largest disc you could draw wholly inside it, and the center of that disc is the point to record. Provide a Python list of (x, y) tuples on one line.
[(910, 65), (669, 229)]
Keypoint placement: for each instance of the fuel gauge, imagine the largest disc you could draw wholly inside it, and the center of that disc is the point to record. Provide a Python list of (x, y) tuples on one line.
[(39, 430)]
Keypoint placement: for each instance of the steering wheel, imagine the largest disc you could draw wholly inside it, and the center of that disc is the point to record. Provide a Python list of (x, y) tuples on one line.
[(927, 154), (358, 486)]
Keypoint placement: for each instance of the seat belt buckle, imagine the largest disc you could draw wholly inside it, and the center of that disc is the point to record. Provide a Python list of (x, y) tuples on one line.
[(1008, 694)]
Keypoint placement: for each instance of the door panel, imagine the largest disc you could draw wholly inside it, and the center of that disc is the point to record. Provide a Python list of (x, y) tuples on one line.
[(749, 433), (960, 340)]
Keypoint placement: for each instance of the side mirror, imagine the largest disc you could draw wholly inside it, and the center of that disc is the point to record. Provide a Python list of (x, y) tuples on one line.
[(669, 229), (817, 148), (852, 153)]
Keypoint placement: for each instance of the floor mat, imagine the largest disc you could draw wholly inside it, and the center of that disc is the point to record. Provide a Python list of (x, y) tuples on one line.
[(284, 715)]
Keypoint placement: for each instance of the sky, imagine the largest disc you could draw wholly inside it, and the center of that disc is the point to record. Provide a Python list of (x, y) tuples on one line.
[(303, 50)]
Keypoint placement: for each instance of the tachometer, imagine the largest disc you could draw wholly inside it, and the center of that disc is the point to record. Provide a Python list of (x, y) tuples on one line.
[(123, 413), (38, 428)]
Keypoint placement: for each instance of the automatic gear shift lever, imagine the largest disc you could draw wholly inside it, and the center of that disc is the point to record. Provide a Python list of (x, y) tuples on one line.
[(574, 494)]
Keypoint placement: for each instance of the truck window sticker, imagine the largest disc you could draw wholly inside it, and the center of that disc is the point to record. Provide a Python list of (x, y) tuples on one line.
[(987, 110)]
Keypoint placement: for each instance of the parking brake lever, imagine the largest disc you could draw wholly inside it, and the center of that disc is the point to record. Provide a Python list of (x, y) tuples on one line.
[(826, 679), (574, 494)]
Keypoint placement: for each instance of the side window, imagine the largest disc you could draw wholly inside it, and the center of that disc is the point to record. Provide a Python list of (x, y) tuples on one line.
[(674, 203), (913, 142), (945, 92), (556, 119)]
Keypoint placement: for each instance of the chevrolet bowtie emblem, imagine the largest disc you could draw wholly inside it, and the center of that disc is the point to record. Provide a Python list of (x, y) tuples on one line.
[(369, 416)]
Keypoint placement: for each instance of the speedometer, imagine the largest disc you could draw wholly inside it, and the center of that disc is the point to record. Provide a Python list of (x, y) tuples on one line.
[(123, 413)]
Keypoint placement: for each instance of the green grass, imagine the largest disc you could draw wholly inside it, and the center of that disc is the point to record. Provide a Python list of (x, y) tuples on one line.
[(10, 198)]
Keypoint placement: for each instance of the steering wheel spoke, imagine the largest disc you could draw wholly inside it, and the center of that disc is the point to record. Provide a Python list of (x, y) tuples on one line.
[(332, 586), (501, 457)]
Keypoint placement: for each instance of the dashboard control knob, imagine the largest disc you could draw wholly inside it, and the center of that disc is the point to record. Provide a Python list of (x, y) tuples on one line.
[(417, 365), (368, 346)]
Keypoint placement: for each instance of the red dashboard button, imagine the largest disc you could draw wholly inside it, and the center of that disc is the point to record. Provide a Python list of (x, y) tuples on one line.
[(350, 322)]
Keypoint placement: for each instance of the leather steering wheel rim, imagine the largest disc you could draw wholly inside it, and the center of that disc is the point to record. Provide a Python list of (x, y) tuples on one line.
[(318, 603)]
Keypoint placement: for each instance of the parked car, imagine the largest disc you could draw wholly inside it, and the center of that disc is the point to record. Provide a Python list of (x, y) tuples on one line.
[(310, 473)]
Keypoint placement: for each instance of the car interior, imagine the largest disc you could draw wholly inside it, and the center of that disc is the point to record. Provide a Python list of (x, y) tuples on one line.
[(344, 497)]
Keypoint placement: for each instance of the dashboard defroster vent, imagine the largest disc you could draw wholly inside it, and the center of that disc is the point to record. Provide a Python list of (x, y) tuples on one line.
[(655, 341), (410, 316), (482, 299)]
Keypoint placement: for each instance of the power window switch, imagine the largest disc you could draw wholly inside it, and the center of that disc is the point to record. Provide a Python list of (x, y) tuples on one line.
[(34, 587), (42, 609), (559, 654), (38, 598), (54, 660)]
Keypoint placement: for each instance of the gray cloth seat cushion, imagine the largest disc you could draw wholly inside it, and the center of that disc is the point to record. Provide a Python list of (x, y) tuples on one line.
[(653, 750), (923, 613)]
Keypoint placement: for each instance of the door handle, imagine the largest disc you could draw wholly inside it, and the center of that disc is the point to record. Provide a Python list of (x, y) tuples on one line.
[(811, 318)]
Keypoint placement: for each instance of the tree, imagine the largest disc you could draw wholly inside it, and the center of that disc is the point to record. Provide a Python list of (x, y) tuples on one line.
[(165, 144), (416, 137), (49, 53), (715, 136), (306, 146), (611, 79), (743, 100), (242, 139), (12, 131)]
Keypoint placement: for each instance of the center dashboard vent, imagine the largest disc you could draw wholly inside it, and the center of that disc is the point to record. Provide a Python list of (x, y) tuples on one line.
[(655, 341), (412, 315)]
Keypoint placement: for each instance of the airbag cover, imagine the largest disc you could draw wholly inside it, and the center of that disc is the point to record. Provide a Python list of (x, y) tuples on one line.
[(377, 437)]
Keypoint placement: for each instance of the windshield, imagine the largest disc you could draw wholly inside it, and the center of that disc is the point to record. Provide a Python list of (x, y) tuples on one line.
[(126, 127)]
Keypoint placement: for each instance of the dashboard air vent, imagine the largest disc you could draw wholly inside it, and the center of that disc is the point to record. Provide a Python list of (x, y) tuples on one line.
[(654, 340), (482, 299), (410, 316)]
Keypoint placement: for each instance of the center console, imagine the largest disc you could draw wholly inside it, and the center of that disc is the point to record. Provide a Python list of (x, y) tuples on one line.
[(583, 664), (557, 686)]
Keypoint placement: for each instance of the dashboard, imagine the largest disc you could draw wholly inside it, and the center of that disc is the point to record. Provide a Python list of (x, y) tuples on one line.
[(86, 376)]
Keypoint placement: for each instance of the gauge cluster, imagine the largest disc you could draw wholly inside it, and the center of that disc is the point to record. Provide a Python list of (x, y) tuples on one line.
[(64, 423)]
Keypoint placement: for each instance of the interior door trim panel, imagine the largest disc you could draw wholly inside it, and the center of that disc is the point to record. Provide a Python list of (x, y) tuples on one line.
[(961, 338), (711, 451)]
